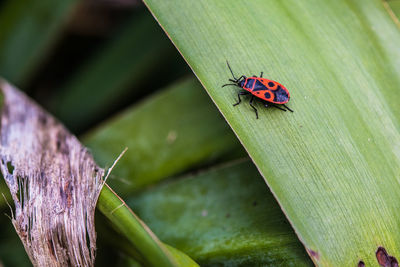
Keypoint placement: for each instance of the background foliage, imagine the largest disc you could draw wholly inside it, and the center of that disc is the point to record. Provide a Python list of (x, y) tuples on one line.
[(109, 73)]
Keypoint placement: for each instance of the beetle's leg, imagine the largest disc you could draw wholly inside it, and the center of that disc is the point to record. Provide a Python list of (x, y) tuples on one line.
[(287, 108), (266, 105), (261, 74), (229, 84), (251, 104), (241, 77), (239, 94), (278, 107)]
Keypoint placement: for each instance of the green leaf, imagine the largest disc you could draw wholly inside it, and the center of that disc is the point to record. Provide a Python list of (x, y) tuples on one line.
[(153, 252), (395, 6), (225, 216), (28, 28), (170, 132), (334, 163), (12, 252), (106, 79)]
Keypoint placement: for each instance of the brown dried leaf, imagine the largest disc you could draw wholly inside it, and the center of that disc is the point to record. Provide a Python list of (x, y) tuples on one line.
[(54, 183)]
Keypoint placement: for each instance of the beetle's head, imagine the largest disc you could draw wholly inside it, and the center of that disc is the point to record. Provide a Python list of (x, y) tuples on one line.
[(239, 82), (235, 81)]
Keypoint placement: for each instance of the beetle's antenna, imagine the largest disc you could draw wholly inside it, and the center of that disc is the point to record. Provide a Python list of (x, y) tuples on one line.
[(231, 70)]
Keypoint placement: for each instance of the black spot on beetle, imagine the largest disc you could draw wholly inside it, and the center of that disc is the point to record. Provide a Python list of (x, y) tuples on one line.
[(259, 86), (271, 84), (249, 84), (267, 95), (280, 95)]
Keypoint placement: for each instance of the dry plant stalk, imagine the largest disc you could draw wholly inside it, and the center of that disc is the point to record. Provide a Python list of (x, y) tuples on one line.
[(54, 183)]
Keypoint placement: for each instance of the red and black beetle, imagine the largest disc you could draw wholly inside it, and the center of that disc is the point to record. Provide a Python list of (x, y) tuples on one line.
[(270, 92)]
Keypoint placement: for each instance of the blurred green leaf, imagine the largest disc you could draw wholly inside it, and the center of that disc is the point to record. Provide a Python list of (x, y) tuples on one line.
[(334, 163), (12, 252), (395, 6), (170, 132), (222, 217), (28, 29), (4, 192), (153, 252), (128, 262), (104, 81)]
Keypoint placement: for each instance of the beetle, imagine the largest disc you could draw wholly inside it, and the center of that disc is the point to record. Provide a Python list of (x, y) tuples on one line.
[(270, 92)]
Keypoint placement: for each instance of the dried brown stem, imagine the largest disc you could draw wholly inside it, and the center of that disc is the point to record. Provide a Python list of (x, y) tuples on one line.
[(54, 183)]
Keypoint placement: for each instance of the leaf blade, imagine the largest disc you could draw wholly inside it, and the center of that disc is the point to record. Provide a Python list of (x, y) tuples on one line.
[(158, 142), (141, 237), (222, 216), (115, 69), (324, 161), (28, 29)]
